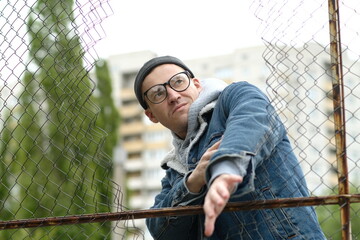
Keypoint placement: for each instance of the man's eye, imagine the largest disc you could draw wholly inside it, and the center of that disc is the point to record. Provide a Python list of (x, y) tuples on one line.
[(156, 95), (159, 94), (178, 82)]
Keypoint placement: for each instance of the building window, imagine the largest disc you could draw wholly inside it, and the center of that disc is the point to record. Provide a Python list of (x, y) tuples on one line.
[(128, 79), (155, 136), (224, 73), (152, 156)]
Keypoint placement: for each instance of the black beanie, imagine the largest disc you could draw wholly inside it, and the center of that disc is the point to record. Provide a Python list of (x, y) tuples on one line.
[(148, 67)]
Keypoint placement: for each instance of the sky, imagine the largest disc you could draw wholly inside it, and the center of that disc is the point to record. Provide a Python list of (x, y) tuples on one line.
[(186, 29), (199, 28)]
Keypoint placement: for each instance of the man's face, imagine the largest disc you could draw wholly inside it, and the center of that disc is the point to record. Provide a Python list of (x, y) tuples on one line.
[(173, 111)]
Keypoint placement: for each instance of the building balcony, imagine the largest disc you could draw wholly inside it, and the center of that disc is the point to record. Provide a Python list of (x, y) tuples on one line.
[(132, 128), (127, 94), (139, 183), (130, 111), (132, 165), (153, 183), (134, 146), (139, 202), (135, 183)]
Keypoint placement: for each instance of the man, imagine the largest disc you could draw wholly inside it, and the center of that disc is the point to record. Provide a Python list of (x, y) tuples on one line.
[(229, 145)]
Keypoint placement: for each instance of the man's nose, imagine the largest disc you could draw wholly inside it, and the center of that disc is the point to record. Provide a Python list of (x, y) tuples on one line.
[(172, 94)]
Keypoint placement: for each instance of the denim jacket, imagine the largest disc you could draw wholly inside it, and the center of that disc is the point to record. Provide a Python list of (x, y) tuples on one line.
[(255, 146)]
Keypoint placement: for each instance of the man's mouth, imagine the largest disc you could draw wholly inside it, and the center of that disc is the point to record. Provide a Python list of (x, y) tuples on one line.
[(179, 107)]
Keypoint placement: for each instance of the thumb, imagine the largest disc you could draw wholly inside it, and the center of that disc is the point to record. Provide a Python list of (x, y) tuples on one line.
[(232, 181)]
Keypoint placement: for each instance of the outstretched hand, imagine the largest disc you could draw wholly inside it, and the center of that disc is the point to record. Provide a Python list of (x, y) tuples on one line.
[(217, 198)]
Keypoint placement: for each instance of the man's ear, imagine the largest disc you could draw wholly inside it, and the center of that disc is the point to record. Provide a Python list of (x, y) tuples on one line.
[(197, 83), (151, 116)]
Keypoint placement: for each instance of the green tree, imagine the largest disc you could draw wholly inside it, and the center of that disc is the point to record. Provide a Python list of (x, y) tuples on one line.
[(55, 160), (109, 117), (19, 188), (329, 218), (108, 120)]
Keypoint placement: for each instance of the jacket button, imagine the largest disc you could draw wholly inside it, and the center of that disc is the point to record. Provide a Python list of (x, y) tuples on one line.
[(194, 160)]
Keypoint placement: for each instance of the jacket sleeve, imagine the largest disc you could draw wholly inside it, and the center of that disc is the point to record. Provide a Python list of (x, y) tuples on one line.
[(252, 130), (174, 193)]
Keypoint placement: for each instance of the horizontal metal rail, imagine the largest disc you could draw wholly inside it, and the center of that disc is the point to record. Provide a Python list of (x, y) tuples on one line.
[(178, 211)]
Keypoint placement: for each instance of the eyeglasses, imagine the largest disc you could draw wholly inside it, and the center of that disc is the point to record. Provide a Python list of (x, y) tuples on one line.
[(158, 93)]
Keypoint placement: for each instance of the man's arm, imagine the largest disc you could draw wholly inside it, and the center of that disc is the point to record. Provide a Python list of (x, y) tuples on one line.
[(252, 130)]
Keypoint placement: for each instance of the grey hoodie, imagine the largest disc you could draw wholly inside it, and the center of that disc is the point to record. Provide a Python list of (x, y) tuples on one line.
[(177, 158)]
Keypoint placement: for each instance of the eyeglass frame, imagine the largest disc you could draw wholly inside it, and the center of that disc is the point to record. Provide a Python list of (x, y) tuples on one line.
[(168, 83)]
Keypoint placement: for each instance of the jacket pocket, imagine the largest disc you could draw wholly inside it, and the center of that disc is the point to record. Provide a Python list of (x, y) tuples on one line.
[(278, 219)]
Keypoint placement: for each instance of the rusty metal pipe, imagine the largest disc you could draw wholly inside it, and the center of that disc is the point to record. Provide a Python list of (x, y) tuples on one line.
[(339, 114), (177, 211)]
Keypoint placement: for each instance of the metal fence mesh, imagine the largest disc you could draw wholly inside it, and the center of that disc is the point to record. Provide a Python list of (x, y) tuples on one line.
[(53, 161), (313, 57), (54, 165)]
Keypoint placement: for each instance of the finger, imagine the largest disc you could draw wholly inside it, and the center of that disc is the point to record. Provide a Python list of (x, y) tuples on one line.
[(215, 202), (229, 178), (213, 206), (235, 179), (213, 199), (210, 216), (219, 198), (211, 150), (231, 181), (224, 194), (215, 145), (209, 225)]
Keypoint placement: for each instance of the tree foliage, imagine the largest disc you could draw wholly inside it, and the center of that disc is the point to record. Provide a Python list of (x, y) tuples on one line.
[(330, 220)]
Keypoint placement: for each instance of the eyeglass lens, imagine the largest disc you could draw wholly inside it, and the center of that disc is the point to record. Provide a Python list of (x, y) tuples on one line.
[(179, 82)]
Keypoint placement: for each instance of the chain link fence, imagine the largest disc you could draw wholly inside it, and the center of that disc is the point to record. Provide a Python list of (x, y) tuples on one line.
[(313, 58), (56, 142)]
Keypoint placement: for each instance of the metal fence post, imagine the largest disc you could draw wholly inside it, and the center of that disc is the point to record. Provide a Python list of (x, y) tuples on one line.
[(339, 115)]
